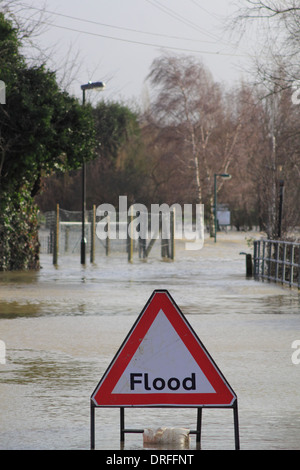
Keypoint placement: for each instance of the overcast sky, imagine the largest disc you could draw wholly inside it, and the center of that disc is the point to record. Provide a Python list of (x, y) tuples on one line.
[(115, 41)]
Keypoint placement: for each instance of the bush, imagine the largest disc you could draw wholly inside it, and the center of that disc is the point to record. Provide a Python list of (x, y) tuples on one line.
[(19, 247)]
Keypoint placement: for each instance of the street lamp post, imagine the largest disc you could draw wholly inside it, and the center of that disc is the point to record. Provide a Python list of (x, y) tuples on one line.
[(223, 175), (87, 86)]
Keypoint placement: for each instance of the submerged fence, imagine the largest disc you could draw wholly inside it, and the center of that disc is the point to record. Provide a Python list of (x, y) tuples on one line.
[(277, 261), (61, 234)]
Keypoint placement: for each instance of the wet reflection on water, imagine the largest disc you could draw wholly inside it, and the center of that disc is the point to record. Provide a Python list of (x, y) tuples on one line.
[(62, 326)]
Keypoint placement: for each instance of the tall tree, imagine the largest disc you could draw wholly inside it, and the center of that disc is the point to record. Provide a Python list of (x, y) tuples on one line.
[(119, 167), (277, 73), (192, 110), (276, 25), (41, 129)]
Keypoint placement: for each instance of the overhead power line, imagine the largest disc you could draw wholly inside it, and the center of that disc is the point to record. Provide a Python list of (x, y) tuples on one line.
[(214, 15), (180, 18), (122, 28), (131, 41), (162, 46)]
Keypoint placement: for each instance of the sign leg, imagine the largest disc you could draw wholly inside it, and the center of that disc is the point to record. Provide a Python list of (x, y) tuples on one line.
[(236, 426), (122, 425), (92, 426), (199, 426)]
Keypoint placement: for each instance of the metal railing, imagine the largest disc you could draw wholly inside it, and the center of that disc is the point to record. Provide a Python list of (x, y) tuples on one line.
[(277, 261)]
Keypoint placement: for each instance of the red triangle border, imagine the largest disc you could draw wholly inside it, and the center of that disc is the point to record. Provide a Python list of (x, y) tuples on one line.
[(162, 300)]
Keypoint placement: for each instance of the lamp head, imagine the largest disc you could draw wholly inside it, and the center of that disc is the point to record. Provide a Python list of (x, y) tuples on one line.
[(91, 85), (225, 175)]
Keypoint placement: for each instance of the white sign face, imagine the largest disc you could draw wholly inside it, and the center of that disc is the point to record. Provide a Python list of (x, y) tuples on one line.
[(162, 364)]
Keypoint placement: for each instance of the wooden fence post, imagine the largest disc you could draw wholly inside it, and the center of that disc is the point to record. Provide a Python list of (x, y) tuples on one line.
[(56, 236), (93, 233)]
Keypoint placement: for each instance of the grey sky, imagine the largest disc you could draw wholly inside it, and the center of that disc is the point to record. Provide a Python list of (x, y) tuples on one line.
[(117, 40)]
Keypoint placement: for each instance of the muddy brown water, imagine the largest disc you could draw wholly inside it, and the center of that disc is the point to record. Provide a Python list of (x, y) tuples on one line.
[(63, 325)]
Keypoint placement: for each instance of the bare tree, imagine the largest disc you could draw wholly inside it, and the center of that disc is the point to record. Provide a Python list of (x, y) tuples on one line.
[(178, 83), (277, 71), (277, 24), (30, 23), (191, 109)]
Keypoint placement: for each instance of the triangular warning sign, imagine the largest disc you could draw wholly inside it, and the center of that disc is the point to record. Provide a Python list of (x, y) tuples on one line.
[(162, 362)]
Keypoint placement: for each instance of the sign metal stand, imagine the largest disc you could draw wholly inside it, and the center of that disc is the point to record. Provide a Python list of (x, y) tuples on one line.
[(196, 432)]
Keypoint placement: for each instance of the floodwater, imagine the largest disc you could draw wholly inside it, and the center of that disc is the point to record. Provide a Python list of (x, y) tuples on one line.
[(63, 325)]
